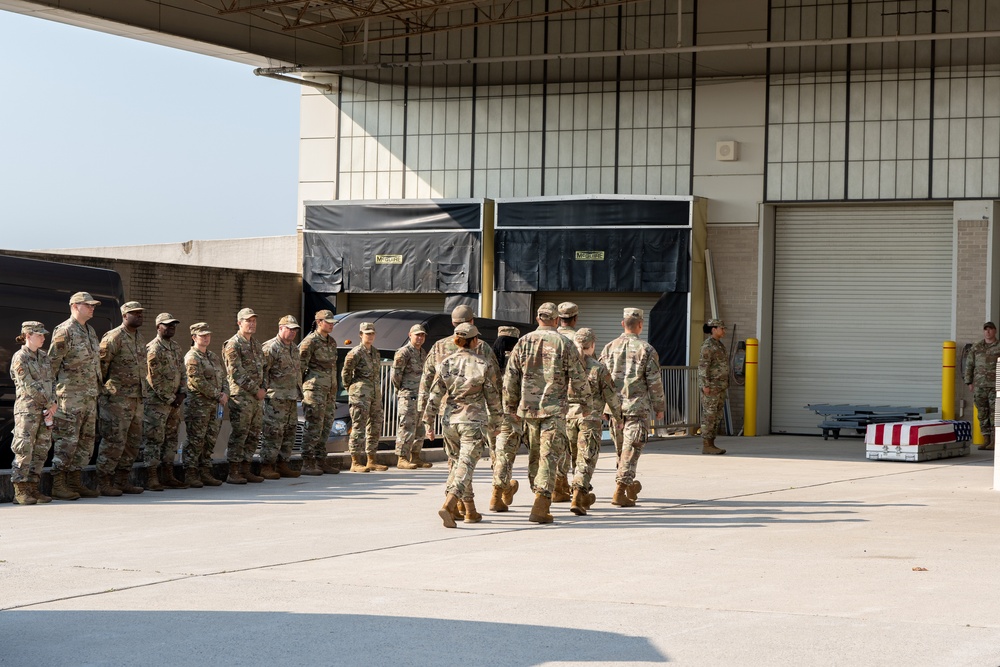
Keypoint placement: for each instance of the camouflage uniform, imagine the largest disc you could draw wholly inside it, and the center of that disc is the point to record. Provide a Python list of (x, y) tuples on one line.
[(566, 462), (283, 378), (465, 377), (585, 432), (35, 391), (713, 372), (407, 368), (318, 361), (123, 370), (206, 384), (362, 375), (981, 371), (540, 369), (161, 420), (245, 369), (635, 370), (76, 364)]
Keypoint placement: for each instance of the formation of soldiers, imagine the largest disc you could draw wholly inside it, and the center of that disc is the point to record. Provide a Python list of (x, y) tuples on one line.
[(551, 396)]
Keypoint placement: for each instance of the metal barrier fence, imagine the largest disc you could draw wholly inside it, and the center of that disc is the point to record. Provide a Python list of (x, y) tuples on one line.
[(389, 412), (680, 384)]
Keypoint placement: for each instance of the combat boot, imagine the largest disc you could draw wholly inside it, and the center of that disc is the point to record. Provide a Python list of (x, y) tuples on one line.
[(60, 489), (327, 468), (267, 471), (357, 464), (447, 511), (459, 509), (419, 460), (169, 481), (987, 441), (121, 481), (404, 463), (248, 473), (508, 493), (496, 500), (234, 476), (540, 510), (373, 464), (309, 467), (36, 493), (632, 490), (579, 504), (74, 479), (561, 493), (106, 486), (708, 447), (207, 478), (153, 478), (192, 478), (471, 515), (621, 498), (284, 471), (22, 496)]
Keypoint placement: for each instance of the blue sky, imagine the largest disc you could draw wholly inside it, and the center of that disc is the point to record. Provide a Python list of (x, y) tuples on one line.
[(106, 140)]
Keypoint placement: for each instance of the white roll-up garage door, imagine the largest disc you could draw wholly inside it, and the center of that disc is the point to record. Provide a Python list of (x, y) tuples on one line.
[(862, 303), (429, 302), (602, 311)]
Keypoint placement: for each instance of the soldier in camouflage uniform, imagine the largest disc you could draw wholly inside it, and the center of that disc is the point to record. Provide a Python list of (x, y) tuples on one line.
[(207, 395), (362, 375), (244, 360), (162, 407), (123, 370), (407, 367), (76, 365), (473, 402), (713, 381), (283, 378), (635, 369), (318, 361), (504, 487), (568, 312), (980, 375), (34, 407), (585, 432), (544, 374)]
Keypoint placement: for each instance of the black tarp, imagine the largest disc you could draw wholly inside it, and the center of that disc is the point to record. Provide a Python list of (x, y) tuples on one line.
[(593, 212), (393, 217), (667, 332)]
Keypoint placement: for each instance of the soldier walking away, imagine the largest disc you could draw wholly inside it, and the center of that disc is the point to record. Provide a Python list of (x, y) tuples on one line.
[(713, 381), (76, 365), (244, 360), (473, 402), (34, 407), (407, 367), (980, 375), (504, 487), (207, 395), (283, 378), (318, 362), (162, 407), (362, 375), (544, 373), (120, 412), (635, 369), (568, 312)]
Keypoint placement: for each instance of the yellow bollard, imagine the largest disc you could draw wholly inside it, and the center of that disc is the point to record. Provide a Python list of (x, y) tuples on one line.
[(750, 389), (948, 380), (977, 433)]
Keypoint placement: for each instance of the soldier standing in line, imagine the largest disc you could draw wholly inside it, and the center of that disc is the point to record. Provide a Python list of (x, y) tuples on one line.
[(318, 361), (540, 370), (362, 375), (407, 367), (635, 369), (584, 432), (568, 314), (283, 378), (123, 371), (980, 374), (162, 407), (464, 378), (713, 381), (245, 370), (34, 407), (76, 365), (207, 395), (504, 487)]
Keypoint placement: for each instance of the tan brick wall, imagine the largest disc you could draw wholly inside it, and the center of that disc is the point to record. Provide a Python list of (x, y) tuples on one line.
[(973, 236)]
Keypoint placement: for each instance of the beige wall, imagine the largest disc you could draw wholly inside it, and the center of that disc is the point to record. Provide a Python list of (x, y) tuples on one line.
[(973, 246)]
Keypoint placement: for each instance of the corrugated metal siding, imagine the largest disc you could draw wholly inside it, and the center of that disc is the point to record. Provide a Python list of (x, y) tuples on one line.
[(430, 302), (602, 311), (862, 303)]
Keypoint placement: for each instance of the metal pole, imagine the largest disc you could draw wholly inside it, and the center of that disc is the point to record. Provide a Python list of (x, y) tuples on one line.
[(750, 389), (948, 380)]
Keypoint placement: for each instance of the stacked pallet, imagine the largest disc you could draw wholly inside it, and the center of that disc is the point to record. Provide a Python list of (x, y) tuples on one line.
[(918, 440)]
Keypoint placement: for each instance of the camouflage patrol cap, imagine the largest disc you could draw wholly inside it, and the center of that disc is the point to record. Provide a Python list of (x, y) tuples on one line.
[(568, 309), (367, 327), (84, 297), (715, 323), (990, 325), (418, 329), (325, 316), (632, 312), (288, 321), (466, 330), (509, 331), (200, 329), (33, 327), (131, 307), (547, 311), (462, 314), (245, 314), (585, 337), (166, 318)]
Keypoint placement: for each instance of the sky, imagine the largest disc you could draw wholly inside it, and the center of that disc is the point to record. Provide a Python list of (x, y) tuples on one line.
[(106, 140)]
